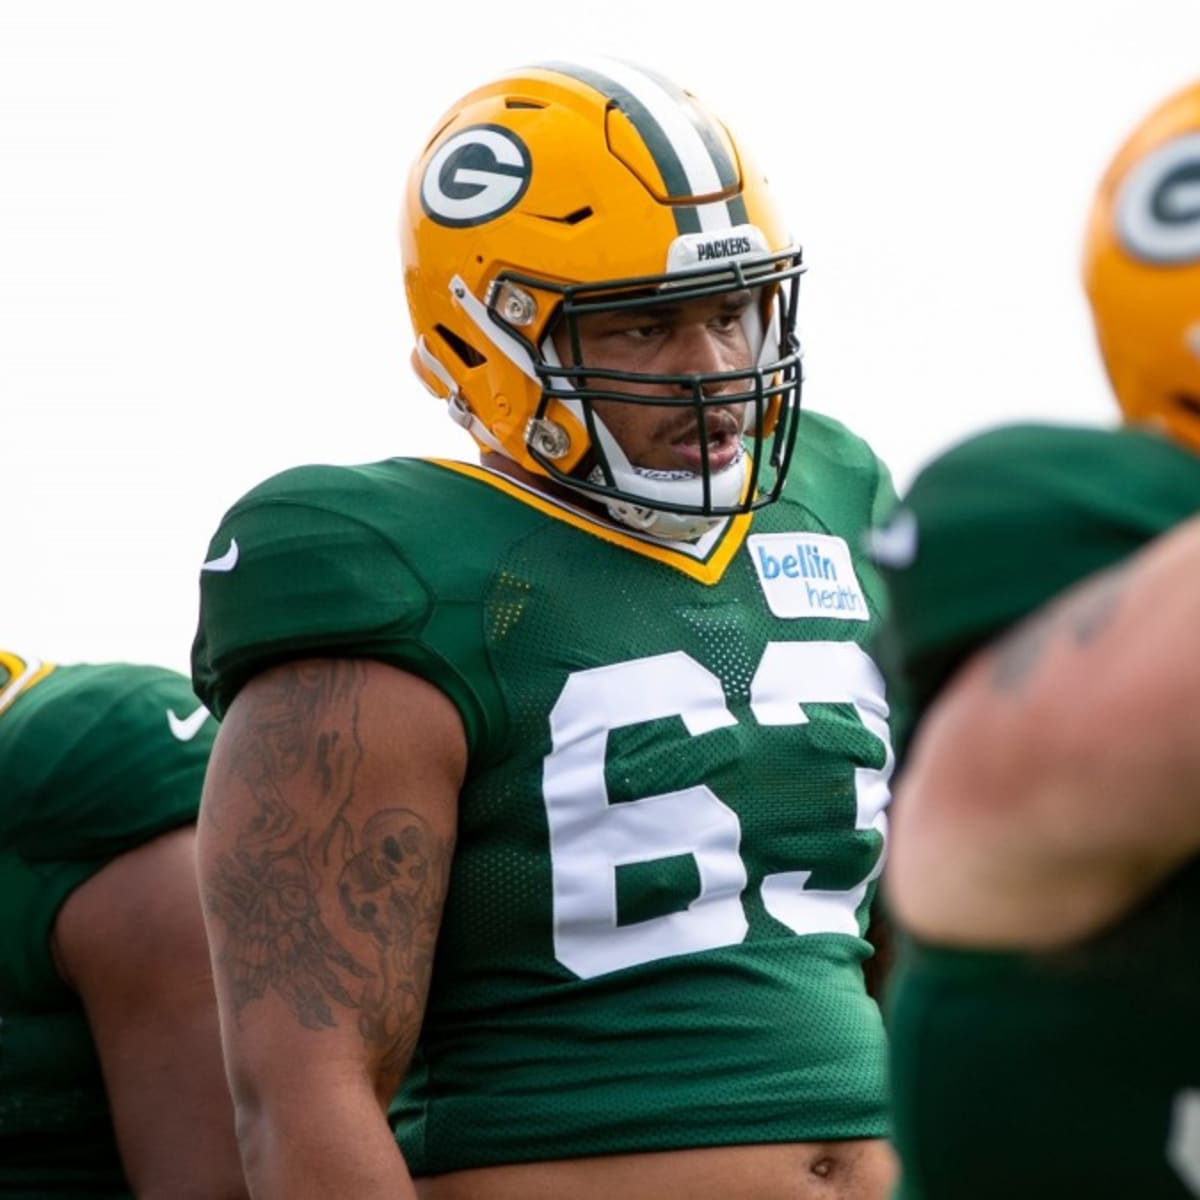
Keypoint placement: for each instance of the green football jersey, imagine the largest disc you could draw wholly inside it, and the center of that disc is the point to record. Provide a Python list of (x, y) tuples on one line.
[(94, 761), (1074, 1073), (673, 814), (1004, 521)]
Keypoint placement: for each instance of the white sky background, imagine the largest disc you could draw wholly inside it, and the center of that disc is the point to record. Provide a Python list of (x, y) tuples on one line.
[(199, 274)]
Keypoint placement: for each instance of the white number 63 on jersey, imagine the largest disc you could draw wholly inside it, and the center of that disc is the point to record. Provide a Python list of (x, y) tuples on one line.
[(590, 838)]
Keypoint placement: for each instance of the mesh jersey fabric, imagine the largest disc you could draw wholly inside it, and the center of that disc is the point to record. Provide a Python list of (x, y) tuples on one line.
[(611, 698)]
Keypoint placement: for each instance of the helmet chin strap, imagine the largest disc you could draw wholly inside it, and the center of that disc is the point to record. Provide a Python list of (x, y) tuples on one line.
[(676, 487)]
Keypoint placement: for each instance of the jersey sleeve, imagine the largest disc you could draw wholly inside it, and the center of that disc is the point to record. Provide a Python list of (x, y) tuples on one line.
[(840, 461), (302, 567), (103, 759), (884, 500), (1000, 524)]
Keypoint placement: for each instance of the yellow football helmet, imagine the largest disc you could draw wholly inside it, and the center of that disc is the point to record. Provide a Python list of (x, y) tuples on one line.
[(1141, 269), (575, 188), (17, 674)]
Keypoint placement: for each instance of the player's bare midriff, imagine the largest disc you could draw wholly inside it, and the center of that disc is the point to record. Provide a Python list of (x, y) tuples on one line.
[(840, 1170)]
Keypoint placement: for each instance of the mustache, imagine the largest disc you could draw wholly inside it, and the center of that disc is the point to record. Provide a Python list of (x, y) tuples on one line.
[(718, 421)]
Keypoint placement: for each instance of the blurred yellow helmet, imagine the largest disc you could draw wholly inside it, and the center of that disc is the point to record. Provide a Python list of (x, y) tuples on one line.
[(567, 189), (1142, 269)]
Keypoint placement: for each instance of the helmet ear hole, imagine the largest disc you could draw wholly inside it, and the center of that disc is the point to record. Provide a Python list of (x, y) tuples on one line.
[(468, 355)]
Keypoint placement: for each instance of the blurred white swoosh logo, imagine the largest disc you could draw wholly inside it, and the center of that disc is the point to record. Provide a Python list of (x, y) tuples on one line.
[(894, 544), (226, 562)]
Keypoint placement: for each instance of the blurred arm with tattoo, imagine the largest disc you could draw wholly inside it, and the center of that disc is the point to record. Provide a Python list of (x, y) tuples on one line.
[(1056, 779), (327, 829)]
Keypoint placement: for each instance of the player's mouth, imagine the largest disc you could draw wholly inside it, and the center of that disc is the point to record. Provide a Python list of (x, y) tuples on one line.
[(722, 440)]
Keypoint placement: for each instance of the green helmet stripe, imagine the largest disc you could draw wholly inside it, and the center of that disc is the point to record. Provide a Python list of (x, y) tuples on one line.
[(693, 161)]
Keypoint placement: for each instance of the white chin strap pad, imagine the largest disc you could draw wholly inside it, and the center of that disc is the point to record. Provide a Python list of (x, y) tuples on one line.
[(674, 487)]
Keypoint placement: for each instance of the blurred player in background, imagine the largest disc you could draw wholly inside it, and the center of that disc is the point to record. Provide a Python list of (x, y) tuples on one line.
[(1043, 1021), (548, 801), (111, 1081)]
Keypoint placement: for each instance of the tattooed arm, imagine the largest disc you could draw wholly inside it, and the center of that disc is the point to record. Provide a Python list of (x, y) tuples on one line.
[(1055, 781), (326, 833)]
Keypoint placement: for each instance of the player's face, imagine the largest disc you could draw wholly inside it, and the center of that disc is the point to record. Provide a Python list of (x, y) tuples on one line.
[(693, 337)]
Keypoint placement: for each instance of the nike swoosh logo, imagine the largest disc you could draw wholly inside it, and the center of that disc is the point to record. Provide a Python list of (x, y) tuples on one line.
[(186, 728), (226, 562), (895, 544)]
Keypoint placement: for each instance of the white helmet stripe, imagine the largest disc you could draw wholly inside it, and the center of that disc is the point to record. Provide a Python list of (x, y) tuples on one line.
[(692, 162)]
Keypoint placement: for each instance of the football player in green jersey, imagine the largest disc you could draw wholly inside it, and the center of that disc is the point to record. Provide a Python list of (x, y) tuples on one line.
[(542, 828), (1047, 839), (111, 1081)]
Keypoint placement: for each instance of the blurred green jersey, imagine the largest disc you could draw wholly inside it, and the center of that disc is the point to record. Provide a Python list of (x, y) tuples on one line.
[(1066, 1074), (95, 760)]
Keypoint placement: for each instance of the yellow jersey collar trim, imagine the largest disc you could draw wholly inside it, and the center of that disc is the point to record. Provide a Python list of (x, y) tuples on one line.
[(705, 566)]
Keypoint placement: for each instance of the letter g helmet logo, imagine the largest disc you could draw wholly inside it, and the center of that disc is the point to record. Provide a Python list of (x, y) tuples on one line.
[(475, 176), (1158, 206)]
